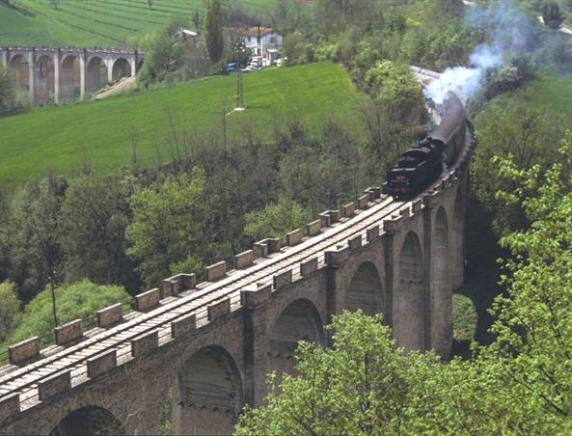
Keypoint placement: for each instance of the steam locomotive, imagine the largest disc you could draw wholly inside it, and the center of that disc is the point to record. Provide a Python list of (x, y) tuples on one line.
[(420, 166)]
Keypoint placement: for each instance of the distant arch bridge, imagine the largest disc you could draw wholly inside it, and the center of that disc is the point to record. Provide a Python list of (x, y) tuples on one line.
[(59, 75)]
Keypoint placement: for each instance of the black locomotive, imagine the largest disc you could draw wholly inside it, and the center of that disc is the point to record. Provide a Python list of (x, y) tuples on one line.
[(420, 166)]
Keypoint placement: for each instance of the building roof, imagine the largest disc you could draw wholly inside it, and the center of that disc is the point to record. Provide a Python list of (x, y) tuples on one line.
[(256, 31)]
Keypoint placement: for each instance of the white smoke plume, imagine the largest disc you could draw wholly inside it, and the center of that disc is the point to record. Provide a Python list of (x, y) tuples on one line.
[(508, 31)]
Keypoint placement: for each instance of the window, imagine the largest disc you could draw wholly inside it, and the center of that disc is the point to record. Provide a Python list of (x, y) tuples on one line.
[(272, 40)]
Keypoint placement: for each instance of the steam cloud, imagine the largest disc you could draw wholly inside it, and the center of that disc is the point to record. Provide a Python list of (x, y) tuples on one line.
[(509, 32)]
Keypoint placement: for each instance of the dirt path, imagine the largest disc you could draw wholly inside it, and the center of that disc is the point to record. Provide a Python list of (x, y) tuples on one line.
[(124, 84)]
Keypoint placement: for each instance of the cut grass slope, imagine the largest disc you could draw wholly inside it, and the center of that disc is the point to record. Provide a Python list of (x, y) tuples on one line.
[(89, 23), (58, 137)]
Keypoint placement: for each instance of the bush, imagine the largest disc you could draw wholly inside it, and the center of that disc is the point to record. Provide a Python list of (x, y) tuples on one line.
[(78, 300), (464, 318), (9, 309)]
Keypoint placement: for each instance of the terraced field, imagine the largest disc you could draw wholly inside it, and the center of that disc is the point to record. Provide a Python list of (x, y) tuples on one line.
[(90, 23), (57, 137)]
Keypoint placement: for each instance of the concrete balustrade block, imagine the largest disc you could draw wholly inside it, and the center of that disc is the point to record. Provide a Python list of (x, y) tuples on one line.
[(24, 350), (169, 287), (244, 259), (109, 316), (355, 242), (308, 267), (282, 279), (348, 209), (218, 310), (416, 206), (145, 343), (334, 216), (272, 243), (373, 233), (101, 364), (313, 228), (374, 192), (337, 256), (147, 300), (186, 281), (9, 406), (325, 219), (183, 326), (253, 296), (216, 271), (294, 237), (260, 250), (69, 332), (363, 201), (55, 385)]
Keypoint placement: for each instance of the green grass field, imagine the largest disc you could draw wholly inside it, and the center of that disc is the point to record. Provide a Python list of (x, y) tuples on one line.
[(89, 23), (57, 137)]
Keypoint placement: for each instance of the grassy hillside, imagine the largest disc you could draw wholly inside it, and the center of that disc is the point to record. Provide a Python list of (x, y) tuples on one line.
[(552, 93), (57, 137), (88, 23)]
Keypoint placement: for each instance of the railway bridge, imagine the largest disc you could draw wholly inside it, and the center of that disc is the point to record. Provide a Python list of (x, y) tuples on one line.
[(199, 351), (58, 75)]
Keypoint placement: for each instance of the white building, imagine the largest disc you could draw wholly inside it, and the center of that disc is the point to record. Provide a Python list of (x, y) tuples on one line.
[(264, 42)]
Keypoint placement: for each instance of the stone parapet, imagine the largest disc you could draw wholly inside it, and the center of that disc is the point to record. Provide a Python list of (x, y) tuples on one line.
[(337, 256), (314, 228), (147, 300), (254, 296), (23, 351), (308, 267), (294, 237), (244, 259), (183, 325), (282, 279), (145, 343), (349, 209), (9, 406), (101, 364), (109, 316), (55, 385), (216, 271), (218, 310), (69, 332)]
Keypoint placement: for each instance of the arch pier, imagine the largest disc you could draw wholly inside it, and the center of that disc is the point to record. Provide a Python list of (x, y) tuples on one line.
[(58, 75)]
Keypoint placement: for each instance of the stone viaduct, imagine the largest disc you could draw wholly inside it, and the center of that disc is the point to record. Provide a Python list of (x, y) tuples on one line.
[(58, 75), (199, 351)]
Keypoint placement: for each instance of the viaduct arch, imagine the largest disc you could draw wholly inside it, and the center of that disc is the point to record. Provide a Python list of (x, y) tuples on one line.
[(50, 75), (207, 346)]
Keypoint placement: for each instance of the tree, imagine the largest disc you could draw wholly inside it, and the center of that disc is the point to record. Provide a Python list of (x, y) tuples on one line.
[(214, 30), (7, 91), (275, 220), (169, 226), (9, 309), (95, 214), (150, 4), (552, 15), (36, 250)]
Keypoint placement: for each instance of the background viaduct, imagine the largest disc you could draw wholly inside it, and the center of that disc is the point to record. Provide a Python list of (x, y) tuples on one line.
[(205, 348), (57, 75)]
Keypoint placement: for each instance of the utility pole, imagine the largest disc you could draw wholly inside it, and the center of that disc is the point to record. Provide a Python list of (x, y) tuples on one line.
[(240, 50)]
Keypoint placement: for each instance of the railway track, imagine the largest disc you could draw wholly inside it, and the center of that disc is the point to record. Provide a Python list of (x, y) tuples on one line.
[(24, 381)]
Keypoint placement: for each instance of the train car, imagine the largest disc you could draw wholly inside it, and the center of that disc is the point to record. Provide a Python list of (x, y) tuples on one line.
[(420, 166)]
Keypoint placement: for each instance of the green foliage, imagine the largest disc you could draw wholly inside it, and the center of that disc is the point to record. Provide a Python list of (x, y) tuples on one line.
[(551, 14), (9, 309), (7, 91), (213, 30), (275, 219), (78, 300), (464, 318), (95, 214), (169, 224), (510, 127)]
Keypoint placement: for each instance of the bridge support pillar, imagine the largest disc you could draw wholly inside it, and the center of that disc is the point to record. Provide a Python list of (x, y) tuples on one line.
[(82, 68), (57, 84), (388, 255), (255, 343), (427, 268), (4, 58), (109, 65), (32, 75)]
